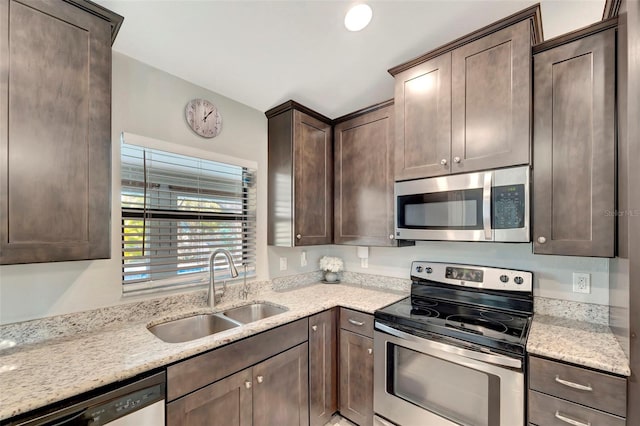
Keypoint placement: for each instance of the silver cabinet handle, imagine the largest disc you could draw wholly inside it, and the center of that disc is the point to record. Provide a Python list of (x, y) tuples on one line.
[(314, 327), (486, 205), (542, 240), (571, 421), (587, 388), (443, 161), (260, 379), (369, 351), (391, 236), (299, 236), (456, 159), (354, 322), (247, 384)]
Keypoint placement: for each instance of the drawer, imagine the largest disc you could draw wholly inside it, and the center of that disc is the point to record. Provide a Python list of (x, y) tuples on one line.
[(357, 322), (597, 390), (550, 411)]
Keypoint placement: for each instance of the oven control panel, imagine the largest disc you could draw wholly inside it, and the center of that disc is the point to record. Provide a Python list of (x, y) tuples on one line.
[(473, 276)]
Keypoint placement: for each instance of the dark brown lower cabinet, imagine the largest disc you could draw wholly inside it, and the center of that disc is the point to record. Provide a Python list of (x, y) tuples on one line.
[(231, 396), (356, 377), (323, 367), (280, 391)]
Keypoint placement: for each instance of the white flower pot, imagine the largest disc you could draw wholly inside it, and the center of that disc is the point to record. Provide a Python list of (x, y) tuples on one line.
[(330, 277)]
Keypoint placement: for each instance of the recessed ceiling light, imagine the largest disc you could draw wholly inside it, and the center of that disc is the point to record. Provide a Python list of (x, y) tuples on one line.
[(358, 17)]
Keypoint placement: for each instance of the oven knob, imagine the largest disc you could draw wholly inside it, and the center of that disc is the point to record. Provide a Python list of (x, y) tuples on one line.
[(504, 278), (418, 268), (518, 280), (428, 270)]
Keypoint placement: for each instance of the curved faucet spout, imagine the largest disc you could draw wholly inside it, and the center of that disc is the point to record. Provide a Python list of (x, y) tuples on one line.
[(211, 297)]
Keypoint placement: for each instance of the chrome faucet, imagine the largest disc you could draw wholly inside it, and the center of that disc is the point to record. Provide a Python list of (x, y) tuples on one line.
[(211, 298)]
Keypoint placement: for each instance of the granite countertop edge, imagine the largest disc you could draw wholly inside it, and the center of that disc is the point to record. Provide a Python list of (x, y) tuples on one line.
[(27, 381), (577, 342)]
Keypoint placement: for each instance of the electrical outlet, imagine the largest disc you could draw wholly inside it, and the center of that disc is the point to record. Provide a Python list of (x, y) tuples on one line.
[(303, 258), (283, 263), (581, 282)]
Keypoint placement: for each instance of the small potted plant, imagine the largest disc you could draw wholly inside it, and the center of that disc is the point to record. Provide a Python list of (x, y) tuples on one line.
[(331, 266)]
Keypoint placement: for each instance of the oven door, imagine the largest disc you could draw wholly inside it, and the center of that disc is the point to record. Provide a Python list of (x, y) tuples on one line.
[(453, 208), (422, 382)]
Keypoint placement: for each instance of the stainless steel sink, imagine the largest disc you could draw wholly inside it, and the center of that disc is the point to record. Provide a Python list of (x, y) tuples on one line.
[(191, 328), (253, 312)]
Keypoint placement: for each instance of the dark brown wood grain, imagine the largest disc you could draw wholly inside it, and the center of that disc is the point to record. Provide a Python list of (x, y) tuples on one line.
[(357, 322), (491, 101), (280, 389), (544, 409), (575, 35), (609, 392), (227, 402), (199, 371), (280, 180), (574, 148), (323, 367), (363, 179), (56, 105), (423, 120), (531, 14), (356, 378)]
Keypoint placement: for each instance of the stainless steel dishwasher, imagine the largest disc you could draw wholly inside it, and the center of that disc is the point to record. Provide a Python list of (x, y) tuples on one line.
[(140, 403)]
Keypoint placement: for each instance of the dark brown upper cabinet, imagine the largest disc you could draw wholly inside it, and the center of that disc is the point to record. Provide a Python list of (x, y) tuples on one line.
[(466, 106), (55, 147), (363, 165), (574, 143), (300, 174)]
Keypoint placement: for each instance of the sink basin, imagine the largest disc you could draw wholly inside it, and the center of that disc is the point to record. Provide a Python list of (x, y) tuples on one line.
[(253, 312), (191, 328)]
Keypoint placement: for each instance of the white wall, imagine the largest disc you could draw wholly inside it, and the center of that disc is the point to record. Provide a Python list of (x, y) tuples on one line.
[(146, 102), (552, 274)]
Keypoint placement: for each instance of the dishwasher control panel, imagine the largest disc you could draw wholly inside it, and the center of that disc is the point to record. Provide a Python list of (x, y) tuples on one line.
[(124, 405)]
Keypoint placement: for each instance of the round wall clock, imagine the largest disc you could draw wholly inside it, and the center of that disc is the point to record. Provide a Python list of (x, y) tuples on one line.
[(203, 118)]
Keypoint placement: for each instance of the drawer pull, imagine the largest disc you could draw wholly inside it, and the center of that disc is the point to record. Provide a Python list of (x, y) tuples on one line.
[(571, 421), (354, 322), (587, 388)]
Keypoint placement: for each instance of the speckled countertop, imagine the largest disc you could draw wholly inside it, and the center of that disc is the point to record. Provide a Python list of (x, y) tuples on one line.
[(33, 375), (578, 342)]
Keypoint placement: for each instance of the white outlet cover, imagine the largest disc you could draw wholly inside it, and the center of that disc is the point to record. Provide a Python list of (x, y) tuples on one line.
[(283, 263), (581, 282)]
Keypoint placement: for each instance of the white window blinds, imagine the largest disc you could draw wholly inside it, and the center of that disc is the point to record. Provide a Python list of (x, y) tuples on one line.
[(176, 210)]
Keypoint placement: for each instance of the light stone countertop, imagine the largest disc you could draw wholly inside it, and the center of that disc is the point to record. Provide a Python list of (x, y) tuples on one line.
[(578, 342), (38, 374)]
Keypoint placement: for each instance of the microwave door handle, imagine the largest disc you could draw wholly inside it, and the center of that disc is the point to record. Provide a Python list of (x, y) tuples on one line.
[(486, 205)]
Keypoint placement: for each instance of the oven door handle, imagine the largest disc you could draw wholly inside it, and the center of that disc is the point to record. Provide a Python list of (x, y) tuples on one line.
[(491, 358)]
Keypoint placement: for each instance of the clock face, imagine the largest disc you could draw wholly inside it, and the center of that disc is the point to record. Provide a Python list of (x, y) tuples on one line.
[(203, 118)]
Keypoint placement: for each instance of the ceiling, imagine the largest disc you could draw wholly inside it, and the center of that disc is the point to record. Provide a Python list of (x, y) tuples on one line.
[(264, 52)]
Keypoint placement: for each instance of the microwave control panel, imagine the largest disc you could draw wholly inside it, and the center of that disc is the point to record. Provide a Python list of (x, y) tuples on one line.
[(508, 206)]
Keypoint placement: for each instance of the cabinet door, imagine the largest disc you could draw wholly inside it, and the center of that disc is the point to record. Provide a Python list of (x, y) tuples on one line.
[(280, 391), (323, 368), (55, 147), (491, 108), (223, 403), (356, 377), (313, 186), (574, 148), (423, 120), (364, 180)]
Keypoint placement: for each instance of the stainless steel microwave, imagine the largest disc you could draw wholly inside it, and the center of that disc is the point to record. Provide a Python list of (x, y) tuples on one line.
[(483, 206)]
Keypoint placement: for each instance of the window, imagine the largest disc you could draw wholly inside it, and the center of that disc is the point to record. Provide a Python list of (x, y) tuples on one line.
[(176, 210)]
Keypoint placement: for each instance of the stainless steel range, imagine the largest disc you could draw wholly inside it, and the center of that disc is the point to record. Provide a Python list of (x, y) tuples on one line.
[(453, 352)]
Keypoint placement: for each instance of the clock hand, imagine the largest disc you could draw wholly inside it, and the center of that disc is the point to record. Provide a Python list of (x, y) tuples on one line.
[(205, 117)]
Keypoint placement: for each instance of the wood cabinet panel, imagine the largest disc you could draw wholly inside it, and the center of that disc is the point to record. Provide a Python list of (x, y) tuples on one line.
[(574, 148), (363, 213), (356, 321), (323, 367), (550, 411), (280, 392), (423, 119), (356, 378), (55, 96), (491, 92), (608, 393), (227, 402)]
